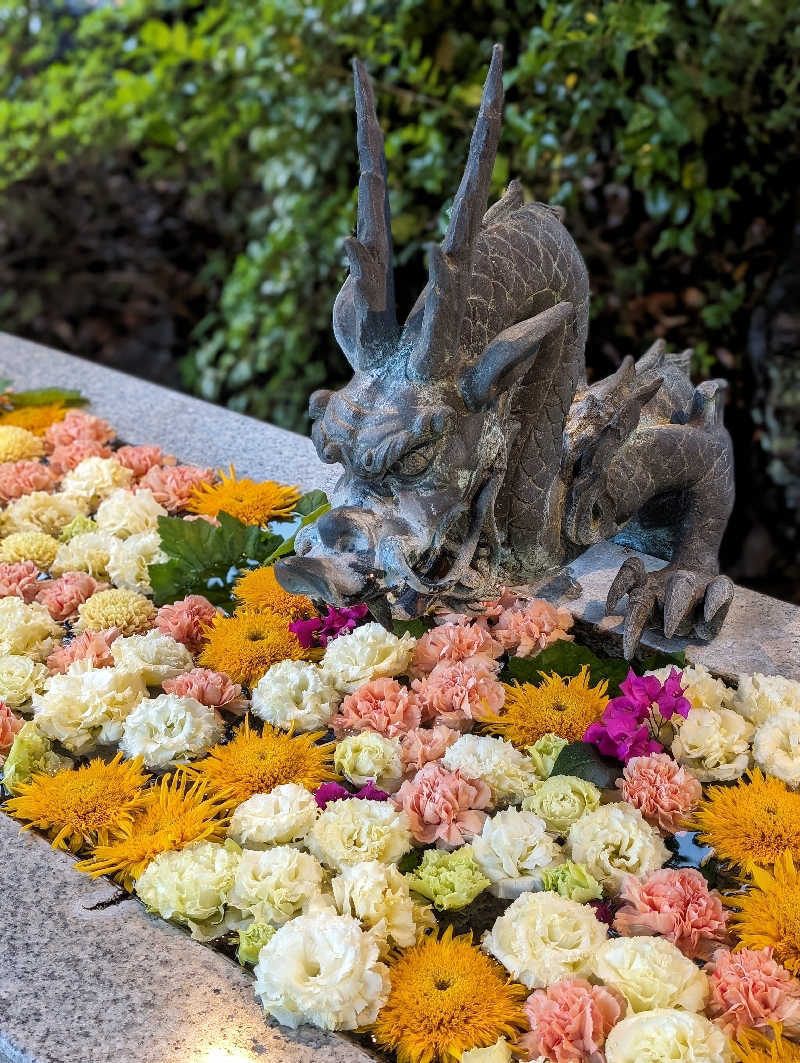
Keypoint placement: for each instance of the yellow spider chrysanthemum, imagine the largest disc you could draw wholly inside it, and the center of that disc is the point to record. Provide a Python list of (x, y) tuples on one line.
[(260, 591), (36, 419), (246, 644), (84, 807), (253, 763), (565, 707), (768, 913), (131, 612), (752, 1046), (751, 823), (29, 546), (17, 444), (250, 502), (447, 997), (175, 813)]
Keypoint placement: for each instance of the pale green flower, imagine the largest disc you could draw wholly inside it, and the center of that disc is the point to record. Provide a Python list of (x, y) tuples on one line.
[(572, 881), (31, 753), (191, 885), (450, 880), (77, 526), (545, 752), (561, 800), (370, 757), (251, 942)]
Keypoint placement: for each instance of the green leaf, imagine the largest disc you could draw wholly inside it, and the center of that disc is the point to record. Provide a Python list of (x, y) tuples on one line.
[(287, 546), (585, 762), (44, 396), (653, 661), (566, 659), (416, 627), (311, 503)]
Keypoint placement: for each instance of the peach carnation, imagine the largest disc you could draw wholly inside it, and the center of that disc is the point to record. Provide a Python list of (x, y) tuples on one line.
[(749, 990), (68, 456), (62, 596), (460, 692), (19, 578), (9, 726), (452, 642), (442, 806), (526, 628), (18, 478), (79, 425), (382, 705), (173, 486), (214, 689), (94, 646), (663, 790), (570, 1021), (505, 600), (677, 904), (140, 460), (422, 745), (186, 620)]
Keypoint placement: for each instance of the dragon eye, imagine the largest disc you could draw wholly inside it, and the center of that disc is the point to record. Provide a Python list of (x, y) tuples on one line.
[(415, 462)]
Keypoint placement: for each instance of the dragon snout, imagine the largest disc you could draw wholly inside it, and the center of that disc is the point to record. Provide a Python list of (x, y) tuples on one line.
[(347, 530)]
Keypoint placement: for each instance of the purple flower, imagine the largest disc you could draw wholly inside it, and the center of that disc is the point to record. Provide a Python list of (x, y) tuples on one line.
[(370, 792), (630, 724), (604, 912), (330, 791), (671, 700), (306, 631), (320, 630)]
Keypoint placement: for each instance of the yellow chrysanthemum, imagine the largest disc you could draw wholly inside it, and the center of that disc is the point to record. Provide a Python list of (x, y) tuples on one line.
[(16, 444), (751, 823), (29, 546), (253, 763), (565, 707), (36, 419), (246, 644), (752, 1046), (260, 591), (768, 913), (174, 813), (132, 613), (250, 502), (84, 807), (447, 997)]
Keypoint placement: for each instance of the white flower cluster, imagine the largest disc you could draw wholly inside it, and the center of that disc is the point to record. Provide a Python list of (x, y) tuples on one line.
[(509, 774), (168, 728), (368, 652), (295, 694)]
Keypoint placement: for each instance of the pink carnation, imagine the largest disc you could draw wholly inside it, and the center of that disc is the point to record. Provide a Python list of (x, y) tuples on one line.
[(62, 596), (79, 425), (460, 692), (174, 486), (749, 990), (18, 478), (571, 1020), (20, 579), (421, 745), (67, 455), (94, 646), (140, 460), (209, 688), (505, 600), (441, 806), (452, 642), (184, 621), (383, 705), (663, 791), (528, 627), (9, 726), (677, 904)]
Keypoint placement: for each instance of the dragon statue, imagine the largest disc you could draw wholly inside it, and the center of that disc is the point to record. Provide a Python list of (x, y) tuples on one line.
[(474, 453)]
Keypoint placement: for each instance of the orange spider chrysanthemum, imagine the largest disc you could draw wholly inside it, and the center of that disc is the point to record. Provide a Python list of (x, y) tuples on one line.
[(253, 763), (246, 644), (260, 591), (36, 419), (768, 913), (175, 813), (565, 707), (85, 807), (248, 501)]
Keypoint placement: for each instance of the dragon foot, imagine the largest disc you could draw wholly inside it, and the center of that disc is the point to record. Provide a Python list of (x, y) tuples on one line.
[(685, 600)]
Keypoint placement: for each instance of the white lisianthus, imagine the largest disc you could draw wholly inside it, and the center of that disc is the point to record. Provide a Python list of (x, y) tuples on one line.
[(125, 513), (561, 800), (276, 884), (86, 705), (322, 969), (543, 937), (295, 693), (651, 972), (20, 679), (614, 841), (154, 656), (353, 830), (27, 630), (667, 1035), (88, 552), (168, 728), (41, 511), (499, 1052), (190, 885), (776, 746), (368, 652), (760, 696), (369, 756), (700, 688), (509, 774), (378, 896), (286, 814), (129, 559), (93, 480), (512, 850), (714, 744)]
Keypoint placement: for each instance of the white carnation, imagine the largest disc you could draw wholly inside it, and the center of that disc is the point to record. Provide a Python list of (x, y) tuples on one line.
[(88, 552), (759, 696), (512, 849), (543, 937), (286, 814), (125, 513), (368, 652), (508, 773), (499, 1052), (353, 830), (129, 559), (27, 630), (700, 688), (370, 757), (776, 746), (154, 656), (94, 479), (295, 693), (190, 885), (714, 744), (322, 969), (651, 972), (667, 1035), (378, 896), (276, 884), (614, 841), (167, 728), (41, 511), (20, 679)]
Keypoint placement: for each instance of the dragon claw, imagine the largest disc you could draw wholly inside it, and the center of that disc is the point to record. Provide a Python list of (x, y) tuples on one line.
[(719, 595), (640, 606), (631, 574), (681, 593)]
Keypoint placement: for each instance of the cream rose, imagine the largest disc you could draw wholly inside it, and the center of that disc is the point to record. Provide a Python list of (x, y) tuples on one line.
[(168, 728), (561, 800), (275, 885), (369, 756), (509, 774), (286, 814), (760, 696), (27, 630), (651, 972), (512, 850), (614, 841), (667, 1035), (20, 679), (353, 830), (295, 694), (714, 744), (129, 561), (776, 746), (124, 513), (368, 652), (154, 656), (378, 896)]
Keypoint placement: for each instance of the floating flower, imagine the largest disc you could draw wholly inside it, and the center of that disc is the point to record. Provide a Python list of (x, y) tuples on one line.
[(776, 746), (447, 997), (18, 478), (570, 1021), (186, 620), (94, 479), (41, 511), (190, 885), (132, 613), (461, 692), (319, 631), (753, 1047), (252, 940), (141, 459), (167, 728), (19, 579), (173, 486), (767, 913), (67, 456), (544, 753), (348, 832), (31, 754), (20, 678), (714, 744), (260, 590), (677, 904), (29, 547), (10, 726), (382, 705), (613, 841), (631, 724), (700, 688), (84, 807), (749, 990), (499, 1052), (209, 688), (451, 880), (450, 643), (79, 425), (422, 745), (18, 444), (36, 419), (528, 627), (124, 513), (650, 972), (130, 559), (28, 630), (331, 791), (508, 773), (285, 815), (378, 896), (561, 800), (277, 884), (572, 881), (91, 646), (77, 526), (443, 806), (512, 850), (295, 694), (666, 1034), (247, 644), (61, 597), (760, 696), (86, 552), (248, 501), (664, 792), (155, 657), (366, 653), (565, 707), (370, 757)]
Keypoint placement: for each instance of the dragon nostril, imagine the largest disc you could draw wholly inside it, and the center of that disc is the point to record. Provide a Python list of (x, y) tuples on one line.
[(339, 531)]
